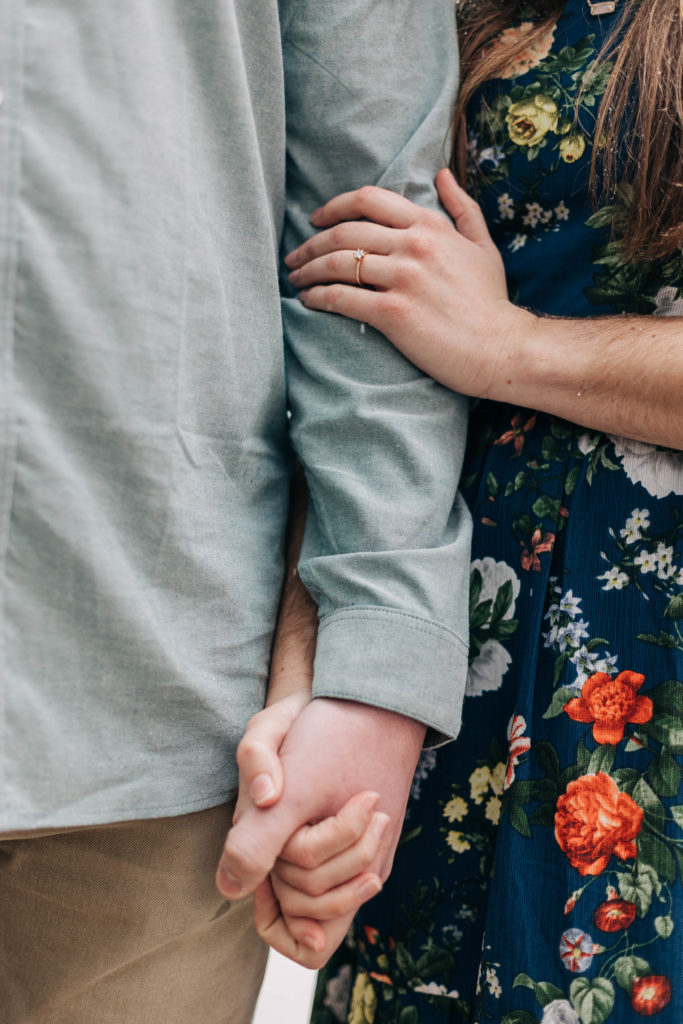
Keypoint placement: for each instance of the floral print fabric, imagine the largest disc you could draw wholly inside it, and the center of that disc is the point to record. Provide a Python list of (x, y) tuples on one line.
[(538, 879)]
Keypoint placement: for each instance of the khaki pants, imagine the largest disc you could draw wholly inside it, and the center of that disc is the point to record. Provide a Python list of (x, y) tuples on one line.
[(122, 924)]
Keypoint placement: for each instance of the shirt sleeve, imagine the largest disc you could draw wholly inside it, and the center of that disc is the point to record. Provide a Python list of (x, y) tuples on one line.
[(369, 89)]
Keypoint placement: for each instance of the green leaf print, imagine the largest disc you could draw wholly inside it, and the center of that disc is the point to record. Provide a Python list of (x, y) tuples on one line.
[(674, 609), (520, 821), (592, 1000), (560, 698), (628, 968), (677, 815), (544, 991), (653, 851), (664, 774), (519, 1017), (409, 1015), (638, 887), (664, 925)]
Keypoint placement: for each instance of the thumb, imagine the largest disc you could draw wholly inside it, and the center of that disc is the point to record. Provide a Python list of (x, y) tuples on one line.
[(258, 752), (469, 220)]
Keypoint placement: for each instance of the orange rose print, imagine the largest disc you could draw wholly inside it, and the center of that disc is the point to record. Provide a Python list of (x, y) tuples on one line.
[(594, 820), (610, 703)]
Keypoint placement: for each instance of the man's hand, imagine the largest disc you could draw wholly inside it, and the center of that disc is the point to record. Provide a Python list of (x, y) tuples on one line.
[(334, 750)]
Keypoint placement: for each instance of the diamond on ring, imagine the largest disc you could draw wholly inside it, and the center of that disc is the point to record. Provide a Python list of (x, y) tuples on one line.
[(359, 255)]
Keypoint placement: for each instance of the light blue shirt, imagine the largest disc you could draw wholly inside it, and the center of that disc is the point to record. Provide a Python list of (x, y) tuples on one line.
[(156, 159)]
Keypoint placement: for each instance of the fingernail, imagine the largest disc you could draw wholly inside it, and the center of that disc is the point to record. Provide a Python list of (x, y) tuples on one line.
[(315, 215), (316, 944), (290, 259), (228, 884), (378, 824), (262, 788), (303, 297), (369, 888), (294, 276), (369, 801)]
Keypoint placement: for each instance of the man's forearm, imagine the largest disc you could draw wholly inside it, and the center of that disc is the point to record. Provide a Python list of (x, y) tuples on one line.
[(291, 667)]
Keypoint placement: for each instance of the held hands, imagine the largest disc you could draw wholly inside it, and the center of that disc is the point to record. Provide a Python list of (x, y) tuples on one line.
[(438, 291), (336, 758)]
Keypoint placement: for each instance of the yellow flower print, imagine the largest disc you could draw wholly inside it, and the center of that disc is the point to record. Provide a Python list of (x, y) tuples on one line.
[(572, 147), (457, 842), (530, 120), (455, 809), (479, 783), (492, 809), (498, 778), (363, 1001)]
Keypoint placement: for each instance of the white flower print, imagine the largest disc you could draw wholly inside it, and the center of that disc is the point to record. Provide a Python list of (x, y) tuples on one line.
[(491, 154), (432, 989), (506, 206), (490, 665), (532, 215), (425, 765), (587, 442), (560, 1011), (492, 982), (488, 668), (517, 242), (667, 303), (658, 470), (614, 578), (561, 211), (647, 560), (337, 993), (638, 521), (584, 662)]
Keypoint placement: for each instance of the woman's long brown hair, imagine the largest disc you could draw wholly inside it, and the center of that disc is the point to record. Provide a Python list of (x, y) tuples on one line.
[(647, 62)]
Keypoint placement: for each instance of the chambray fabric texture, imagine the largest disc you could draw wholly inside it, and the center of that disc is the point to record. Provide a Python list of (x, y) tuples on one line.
[(156, 159)]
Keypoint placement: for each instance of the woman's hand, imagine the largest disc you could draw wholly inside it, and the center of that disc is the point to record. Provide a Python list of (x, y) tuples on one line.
[(304, 909), (438, 291), (321, 877)]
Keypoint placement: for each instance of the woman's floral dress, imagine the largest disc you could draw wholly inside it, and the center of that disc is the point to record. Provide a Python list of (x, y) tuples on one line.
[(539, 874)]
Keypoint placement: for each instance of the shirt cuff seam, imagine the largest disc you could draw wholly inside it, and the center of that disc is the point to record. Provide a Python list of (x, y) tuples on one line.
[(427, 626), (329, 693)]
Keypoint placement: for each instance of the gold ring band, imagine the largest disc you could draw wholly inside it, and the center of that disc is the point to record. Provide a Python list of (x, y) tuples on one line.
[(359, 255)]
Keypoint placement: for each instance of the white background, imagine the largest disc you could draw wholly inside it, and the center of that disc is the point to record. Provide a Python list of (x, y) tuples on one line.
[(287, 993)]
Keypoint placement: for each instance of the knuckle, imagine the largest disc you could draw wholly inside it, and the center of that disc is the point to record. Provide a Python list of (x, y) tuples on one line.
[(335, 905), (313, 885), (245, 858), (419, 245), (308, 857), (367, 195), (393, 307), (334, 296), (337, 236), (337, 262)]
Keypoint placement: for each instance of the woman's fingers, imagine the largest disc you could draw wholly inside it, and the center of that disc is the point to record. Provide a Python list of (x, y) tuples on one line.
[(306, 946), (347, 268), (368, 203), (338, 869), (313, 845), (347, 300), (469, 220), (343, 899), (344, 238)]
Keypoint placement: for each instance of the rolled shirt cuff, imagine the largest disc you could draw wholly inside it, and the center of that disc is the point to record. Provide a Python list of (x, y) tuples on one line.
[(396, 661)]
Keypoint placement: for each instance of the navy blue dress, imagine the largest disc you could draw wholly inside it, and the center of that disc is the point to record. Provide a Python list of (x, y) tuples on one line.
[(539, 874)]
